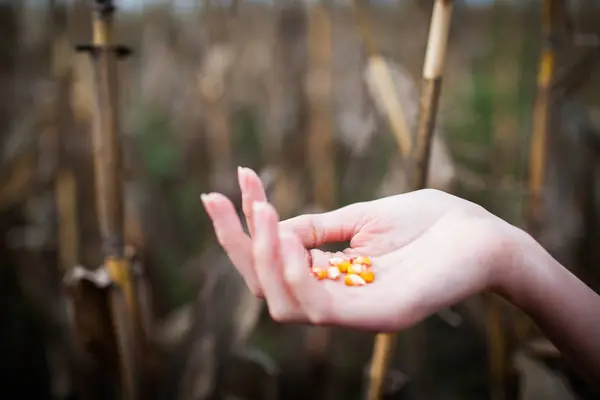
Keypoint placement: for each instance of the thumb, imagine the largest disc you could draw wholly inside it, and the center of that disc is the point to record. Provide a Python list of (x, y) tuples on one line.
[(315, 230)]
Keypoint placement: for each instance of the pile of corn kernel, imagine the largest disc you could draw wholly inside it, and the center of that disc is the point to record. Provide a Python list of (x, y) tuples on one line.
[(356, 271)]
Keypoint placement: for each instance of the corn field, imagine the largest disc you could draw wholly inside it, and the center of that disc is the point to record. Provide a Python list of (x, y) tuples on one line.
[(114, 121)]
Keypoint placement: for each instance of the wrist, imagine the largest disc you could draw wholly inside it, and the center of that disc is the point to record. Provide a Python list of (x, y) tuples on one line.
[(521, 267)]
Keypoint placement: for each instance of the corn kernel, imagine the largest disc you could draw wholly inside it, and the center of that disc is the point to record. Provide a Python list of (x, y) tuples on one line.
[(319, 272), (343, 267), (362, 260), (335, 261), (354, 280), (341, 262), (368, 275), (333, 273), (355, 269)]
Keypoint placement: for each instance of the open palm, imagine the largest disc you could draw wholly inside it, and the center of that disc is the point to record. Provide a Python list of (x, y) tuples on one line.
[(423, 246)]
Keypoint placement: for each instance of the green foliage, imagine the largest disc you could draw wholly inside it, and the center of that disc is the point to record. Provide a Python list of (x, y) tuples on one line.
[(482, 99), (245, 137), (160, 156), (178, 289), (475, 125), (156, 145)]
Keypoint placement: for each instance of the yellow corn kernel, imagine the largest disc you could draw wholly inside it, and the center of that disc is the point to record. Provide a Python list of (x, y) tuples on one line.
[(341, 262), (354, 280), (343, 267), (368, 275), (333, 273), (362, 260), (319, 273), (355, 269), (335, 261)]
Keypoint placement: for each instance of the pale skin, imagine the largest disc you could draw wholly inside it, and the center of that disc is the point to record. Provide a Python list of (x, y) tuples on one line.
[(430, 250)]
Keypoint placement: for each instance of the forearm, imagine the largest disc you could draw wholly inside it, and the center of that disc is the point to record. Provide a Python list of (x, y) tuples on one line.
[(566, 309)]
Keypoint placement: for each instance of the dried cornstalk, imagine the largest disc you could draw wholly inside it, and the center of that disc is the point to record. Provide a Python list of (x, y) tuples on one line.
[(66, 201), (383, 84), (539, 135), (506, 76), (430, 93), (431, 88), (65, 185), (213, 87), (541, 110), (320, 154), (214, 94), (320, 130), (286, 110), (109, 193)]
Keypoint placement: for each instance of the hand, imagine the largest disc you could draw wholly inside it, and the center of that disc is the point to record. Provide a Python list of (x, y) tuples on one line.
[(429, 249)]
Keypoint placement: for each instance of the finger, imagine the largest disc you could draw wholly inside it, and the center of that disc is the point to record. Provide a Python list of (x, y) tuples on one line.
[(232, 237), (315, 230), (252, 191), (312, 296), (269, 264)]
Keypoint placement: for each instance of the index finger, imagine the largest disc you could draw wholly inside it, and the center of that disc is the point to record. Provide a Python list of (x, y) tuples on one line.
[(231, 236), (252, 191)]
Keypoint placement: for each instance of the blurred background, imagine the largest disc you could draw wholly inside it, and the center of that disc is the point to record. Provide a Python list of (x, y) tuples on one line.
[(286, 88)]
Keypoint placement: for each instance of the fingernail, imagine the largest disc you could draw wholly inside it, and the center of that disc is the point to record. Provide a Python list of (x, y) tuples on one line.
[(206, 199), (241, 178)]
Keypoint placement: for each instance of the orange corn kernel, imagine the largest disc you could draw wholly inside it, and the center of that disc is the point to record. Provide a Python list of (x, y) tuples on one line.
[(368, 275), (362, 260), (354, 280), (319, 272), (333, 273), (355, 269)]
